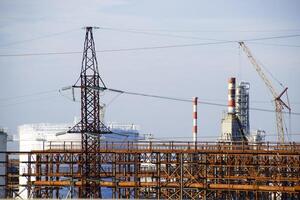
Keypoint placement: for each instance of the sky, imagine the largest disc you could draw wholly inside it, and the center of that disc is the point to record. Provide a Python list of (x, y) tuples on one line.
[(29, 84)]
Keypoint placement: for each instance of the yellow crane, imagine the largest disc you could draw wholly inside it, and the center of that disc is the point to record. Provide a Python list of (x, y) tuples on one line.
[(280, 105)]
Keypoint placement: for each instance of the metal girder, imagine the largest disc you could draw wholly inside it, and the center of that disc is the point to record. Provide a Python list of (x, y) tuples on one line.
[(210, 171)]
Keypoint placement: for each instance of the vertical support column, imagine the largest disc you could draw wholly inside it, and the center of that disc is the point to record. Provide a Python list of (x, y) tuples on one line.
[(72, 174), (6, 189), (206, 176), (29, 176), (80, 171), (47, 195), (136, 174), (169, 158), (128, 173), (57, 172), (158, 164), (38, 175), (195, 118), (120, 171), (50, 163), (181, 175), (114, 174)]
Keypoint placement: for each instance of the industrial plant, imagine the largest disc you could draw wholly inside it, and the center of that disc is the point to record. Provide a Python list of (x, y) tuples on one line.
[(94, 159)]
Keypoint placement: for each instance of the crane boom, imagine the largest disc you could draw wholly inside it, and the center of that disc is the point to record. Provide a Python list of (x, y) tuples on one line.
[(279, 104), (258, 69)]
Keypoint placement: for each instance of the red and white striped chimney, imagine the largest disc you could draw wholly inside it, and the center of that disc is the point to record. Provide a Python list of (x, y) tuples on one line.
[(195, 117), (231, 95)]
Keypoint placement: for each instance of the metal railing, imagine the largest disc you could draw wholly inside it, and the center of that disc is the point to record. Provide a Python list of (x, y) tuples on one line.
[(178, 145)]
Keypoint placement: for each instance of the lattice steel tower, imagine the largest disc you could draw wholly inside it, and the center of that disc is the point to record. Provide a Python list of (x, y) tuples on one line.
[(90, 125)]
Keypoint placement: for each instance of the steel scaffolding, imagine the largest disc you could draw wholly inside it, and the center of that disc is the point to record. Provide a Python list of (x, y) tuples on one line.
[(168, 170)]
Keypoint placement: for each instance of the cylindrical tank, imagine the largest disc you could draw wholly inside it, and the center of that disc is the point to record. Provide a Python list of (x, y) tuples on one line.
[(3, 144)]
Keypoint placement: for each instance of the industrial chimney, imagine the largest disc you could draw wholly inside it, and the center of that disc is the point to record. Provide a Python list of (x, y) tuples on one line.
[(232, 128), (195, 117), (231, 95)]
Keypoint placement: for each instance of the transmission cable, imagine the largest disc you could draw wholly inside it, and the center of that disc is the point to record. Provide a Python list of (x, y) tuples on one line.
[(28, 95), (28, 101), (272, 44), (203, 30), (38, 38), (195, 37), (114, 50), (181, 99), (150, 47), (162, 34)]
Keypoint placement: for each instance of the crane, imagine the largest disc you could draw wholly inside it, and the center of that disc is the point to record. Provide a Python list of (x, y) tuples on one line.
[(280, 105)]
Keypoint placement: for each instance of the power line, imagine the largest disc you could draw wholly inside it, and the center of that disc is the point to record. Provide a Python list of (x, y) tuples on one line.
[(184, 100), (113, 50), (192, 37), (41, 54), (27, 101), (150, 47), (138, 94), (113, 99), (161, 34), (271, 38), (272, 44), (195, 37), (28, 95), (181, 99), (38, 38), (146, 32), (206, 30), (135, 94)]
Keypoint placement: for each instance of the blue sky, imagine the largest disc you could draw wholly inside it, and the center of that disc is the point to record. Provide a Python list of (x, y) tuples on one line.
[(30, 27)]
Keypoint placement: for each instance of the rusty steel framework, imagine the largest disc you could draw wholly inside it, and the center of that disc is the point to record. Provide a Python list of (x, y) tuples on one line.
[(169, 170), (90, 127)]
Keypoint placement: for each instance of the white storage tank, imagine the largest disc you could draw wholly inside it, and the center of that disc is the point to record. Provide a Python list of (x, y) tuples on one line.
[(3, 144), (39, 136), (35, 137)]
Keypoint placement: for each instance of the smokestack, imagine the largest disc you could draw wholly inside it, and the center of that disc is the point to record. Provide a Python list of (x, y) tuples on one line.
[(231, 95), (195, 117)]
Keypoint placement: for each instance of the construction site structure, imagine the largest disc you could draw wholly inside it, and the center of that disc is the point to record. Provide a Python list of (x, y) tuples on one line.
[(166, 170), (40, 136), (37, 137), (280, 105)]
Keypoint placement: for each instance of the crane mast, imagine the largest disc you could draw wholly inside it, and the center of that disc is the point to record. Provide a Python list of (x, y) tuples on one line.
[(279, 104)]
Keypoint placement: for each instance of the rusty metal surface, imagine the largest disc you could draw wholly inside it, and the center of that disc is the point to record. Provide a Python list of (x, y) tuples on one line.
[(172, 170)]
